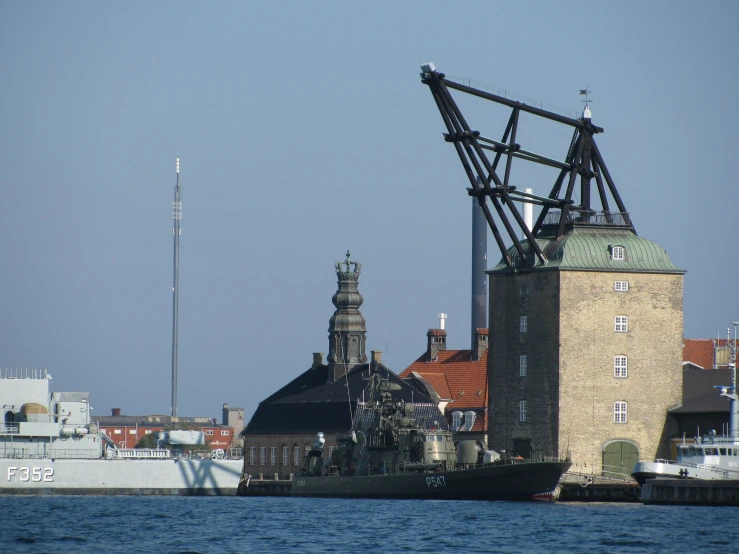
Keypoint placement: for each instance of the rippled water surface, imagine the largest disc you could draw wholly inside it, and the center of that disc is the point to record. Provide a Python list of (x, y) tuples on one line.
[(173, 524)]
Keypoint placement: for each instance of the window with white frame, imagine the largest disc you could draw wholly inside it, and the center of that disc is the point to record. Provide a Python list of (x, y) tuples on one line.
[(456, 420), (117, 431), (263, 455), (618, 253), (524, 324), (224, 432), (621, 286), (209, 432), (523, 365), (619, 412), (621, 324), (252, 455), (132, 431), (296, 455), (273, 455), (620, 367), (469, 420), (522, 411), (285, 455)]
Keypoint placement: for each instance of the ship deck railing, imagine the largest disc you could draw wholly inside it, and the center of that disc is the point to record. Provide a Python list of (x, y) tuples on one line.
[(9, 429), (725, 473), (51, 454)]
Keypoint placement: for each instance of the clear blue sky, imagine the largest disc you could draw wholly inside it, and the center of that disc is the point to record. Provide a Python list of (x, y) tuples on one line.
[(303, 131)]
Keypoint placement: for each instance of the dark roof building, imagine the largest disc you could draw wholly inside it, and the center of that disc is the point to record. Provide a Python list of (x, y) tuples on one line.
[(325, 396)]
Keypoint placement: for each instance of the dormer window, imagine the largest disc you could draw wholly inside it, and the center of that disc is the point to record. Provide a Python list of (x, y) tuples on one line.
[(618, 253), (469, 420), (456, 420)]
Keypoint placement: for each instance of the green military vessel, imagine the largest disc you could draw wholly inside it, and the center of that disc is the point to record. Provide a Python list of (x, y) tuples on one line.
[(392, 452)]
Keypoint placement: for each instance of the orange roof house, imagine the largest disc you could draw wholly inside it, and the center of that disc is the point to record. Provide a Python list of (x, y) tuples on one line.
[(457, 380), (699, 352)]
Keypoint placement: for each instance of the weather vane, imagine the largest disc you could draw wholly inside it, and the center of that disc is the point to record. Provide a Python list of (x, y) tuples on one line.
[(585, 92)]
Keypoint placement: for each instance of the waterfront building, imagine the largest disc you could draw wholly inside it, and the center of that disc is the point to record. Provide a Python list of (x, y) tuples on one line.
[(127, 431), (457, 380), (324, 397), (598, 328)]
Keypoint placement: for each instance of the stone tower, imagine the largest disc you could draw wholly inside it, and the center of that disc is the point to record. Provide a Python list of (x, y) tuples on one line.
[(346, 330), (586, 349)]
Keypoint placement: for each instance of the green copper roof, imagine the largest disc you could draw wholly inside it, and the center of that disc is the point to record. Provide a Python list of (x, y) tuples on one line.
[(587, 249)]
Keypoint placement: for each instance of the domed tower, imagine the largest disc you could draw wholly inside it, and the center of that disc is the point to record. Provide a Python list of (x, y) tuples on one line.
[(346, 329)]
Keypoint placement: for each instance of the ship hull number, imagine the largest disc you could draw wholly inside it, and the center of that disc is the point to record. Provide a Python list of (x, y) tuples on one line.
[(35, 474), (435, 481)]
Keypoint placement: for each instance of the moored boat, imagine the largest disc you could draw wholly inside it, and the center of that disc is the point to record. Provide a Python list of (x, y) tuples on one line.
[(389, 453)]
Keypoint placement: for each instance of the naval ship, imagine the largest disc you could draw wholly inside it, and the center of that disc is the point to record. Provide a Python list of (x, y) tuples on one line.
[(49, 445), (389, 453)]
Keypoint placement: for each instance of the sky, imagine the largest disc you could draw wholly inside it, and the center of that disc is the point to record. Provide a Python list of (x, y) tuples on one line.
[(304, 131)]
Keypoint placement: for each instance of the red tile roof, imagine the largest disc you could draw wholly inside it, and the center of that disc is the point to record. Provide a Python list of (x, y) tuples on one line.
[(700, 351), (457, 377), (439, 382), (436, 333)]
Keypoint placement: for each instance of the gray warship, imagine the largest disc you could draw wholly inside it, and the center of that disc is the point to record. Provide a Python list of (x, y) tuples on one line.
[(390, 453), (49, 445)]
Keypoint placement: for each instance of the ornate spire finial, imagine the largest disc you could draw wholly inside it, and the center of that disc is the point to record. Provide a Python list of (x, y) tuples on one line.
[(344, 269)]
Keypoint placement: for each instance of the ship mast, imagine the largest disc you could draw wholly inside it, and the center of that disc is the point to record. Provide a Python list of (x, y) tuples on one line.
[(176, 232)]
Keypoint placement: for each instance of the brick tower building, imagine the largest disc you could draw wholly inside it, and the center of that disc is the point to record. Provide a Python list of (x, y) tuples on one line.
[(586, 349)]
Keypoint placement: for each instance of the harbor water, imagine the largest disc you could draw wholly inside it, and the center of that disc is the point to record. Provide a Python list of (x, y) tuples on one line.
[(279, 524)]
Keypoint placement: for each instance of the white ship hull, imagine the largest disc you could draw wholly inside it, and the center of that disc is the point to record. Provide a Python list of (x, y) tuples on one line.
[(120, 477)]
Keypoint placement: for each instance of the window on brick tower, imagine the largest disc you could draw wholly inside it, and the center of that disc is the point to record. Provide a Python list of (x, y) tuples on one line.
[(621, 286), (619, 412), (522, 411), (620, 366), (524, 324), (621, 324), (523, 365)]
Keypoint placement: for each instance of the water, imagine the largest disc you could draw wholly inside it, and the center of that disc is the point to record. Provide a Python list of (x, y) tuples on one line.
[(200, 524)]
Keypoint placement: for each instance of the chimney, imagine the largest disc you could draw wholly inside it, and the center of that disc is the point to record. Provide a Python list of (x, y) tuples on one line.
[(481, 344), (376, 356), (317, 360), (115, 412), (479, 310), (436, 342)]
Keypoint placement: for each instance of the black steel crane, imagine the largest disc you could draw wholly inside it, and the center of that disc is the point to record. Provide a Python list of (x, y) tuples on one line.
[(583, 158)]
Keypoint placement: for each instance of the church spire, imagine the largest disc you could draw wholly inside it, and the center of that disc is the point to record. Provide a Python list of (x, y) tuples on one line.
[(346, 329)]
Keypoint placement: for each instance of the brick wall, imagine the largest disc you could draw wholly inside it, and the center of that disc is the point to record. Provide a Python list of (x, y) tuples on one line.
[(570, 343)]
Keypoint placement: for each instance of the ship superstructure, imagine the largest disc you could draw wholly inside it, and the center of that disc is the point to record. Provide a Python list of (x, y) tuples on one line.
[(48, 444)]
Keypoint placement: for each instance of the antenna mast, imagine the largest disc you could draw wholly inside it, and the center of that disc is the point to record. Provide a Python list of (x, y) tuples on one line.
[(176, 232)]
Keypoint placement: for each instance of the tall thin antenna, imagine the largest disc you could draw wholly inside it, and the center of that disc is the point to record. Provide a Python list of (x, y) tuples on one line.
[(176, 232)]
